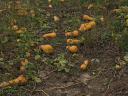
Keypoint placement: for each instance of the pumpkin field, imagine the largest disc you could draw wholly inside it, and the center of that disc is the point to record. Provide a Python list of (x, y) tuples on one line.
[(63, 47)]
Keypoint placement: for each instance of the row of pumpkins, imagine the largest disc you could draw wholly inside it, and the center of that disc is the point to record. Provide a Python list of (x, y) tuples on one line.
[(48, 49)]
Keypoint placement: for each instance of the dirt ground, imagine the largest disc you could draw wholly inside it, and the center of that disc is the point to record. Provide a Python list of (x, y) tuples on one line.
[(100, 79)]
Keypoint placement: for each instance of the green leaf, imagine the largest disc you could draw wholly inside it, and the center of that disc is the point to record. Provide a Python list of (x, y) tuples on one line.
[(37, 79), (37, 57)]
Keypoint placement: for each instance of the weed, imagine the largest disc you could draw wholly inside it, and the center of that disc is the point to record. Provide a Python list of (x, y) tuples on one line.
[(61, 63)]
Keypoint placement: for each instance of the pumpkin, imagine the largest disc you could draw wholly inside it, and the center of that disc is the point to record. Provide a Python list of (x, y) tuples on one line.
[(22, 69), (90, 6), (19, 80), (82, 27), (72, 49), (92, 23), (22, 79), (87, 26), (24, 62), (49, 35), (56, 18), (72, 41), (47, 48), (50, 6), (23, 65), (118, 67), (86, 17), (75, 33), (14, 27), (85, 64), (21, 30), (4, 84)]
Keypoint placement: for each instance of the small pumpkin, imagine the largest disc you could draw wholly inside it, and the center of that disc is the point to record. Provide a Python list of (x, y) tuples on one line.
[(85, 65), (82, 27), (50, 35), (21, 30), (56, 18), (72, 41), (19, 80), (87, 26), (22, 79), (72, 49), (92, 23), (23, 65), (24, 62), (86, 17), (15, 27), (22, 69), (48, 49), (75, 33), (50, 6)]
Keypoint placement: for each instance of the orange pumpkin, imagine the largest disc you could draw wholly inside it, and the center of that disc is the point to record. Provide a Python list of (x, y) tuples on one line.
[(19, 80), (87, 26), (24, 62), (21, 30), (49, 35), (86, 17), (75, 33), (23, 65), (85, 65), (72, 41), (72, 49), (92, 23), (82, 27), (22, 79), (47, 48)]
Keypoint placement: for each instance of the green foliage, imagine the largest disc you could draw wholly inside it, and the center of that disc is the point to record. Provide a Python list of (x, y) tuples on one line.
[(92, 1), (120, 34), (123, 40), (8, 91), (31, 70), (61, 63)]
